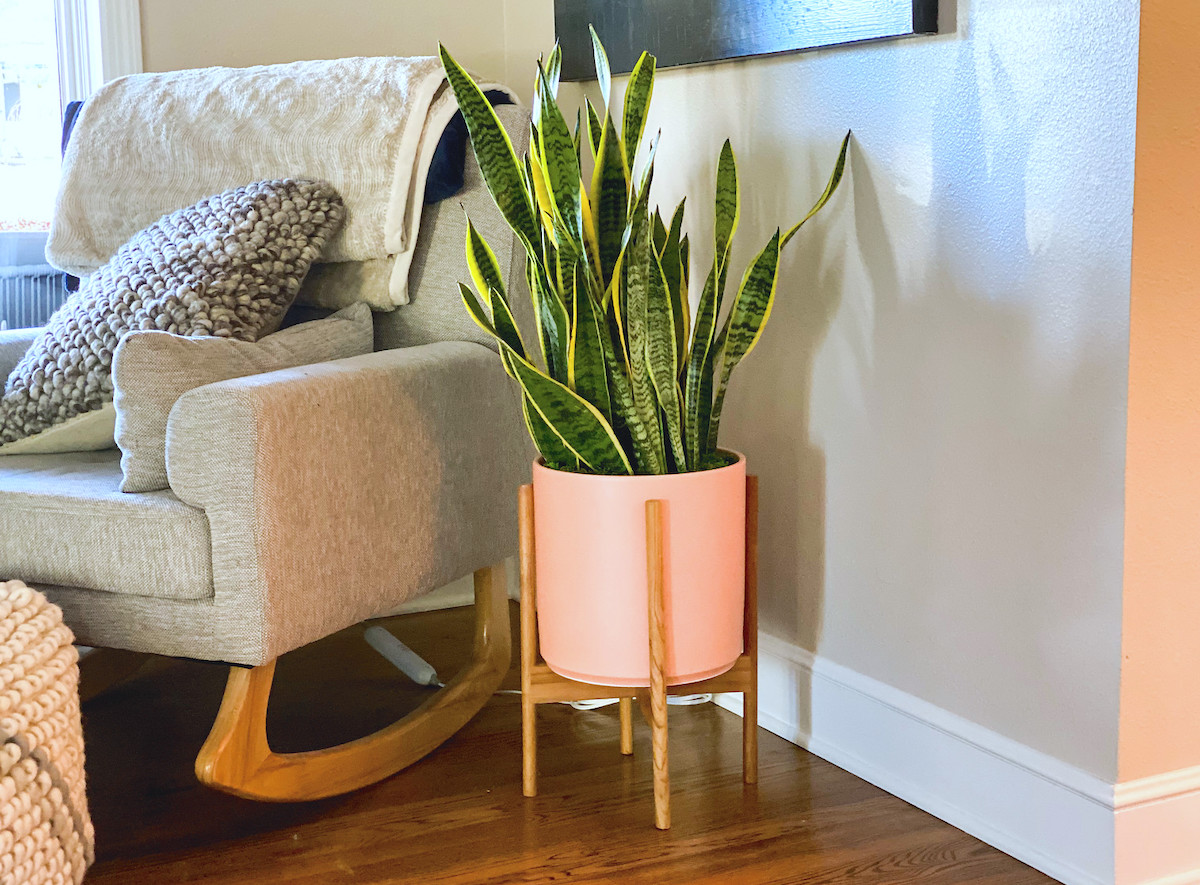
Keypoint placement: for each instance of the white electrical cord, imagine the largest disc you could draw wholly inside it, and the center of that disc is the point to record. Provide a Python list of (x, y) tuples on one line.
[(421, 671)]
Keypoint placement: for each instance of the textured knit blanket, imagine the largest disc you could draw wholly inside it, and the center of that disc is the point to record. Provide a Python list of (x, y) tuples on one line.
[(148, 144), (46, 835)]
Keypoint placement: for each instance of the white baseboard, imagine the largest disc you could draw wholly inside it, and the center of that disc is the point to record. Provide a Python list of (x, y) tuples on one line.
[(1038, 809)]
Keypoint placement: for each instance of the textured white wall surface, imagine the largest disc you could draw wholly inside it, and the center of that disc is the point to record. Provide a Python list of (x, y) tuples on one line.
[(937, 410)]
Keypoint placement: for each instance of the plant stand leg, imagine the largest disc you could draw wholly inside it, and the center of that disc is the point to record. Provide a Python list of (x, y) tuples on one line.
[(626, 709), (528, 644), (750, 638), (658, 664)]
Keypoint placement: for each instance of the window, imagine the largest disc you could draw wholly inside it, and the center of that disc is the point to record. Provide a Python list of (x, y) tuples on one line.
[(51, 52), (30, 125)]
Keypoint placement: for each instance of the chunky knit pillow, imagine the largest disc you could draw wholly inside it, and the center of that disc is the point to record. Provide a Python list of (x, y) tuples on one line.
[(229, 266)]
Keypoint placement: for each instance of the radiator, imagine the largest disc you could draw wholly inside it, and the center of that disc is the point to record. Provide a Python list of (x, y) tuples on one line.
[(28, 295)]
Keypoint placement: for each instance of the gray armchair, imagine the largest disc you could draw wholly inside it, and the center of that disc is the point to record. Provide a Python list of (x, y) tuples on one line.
[(301, 502)]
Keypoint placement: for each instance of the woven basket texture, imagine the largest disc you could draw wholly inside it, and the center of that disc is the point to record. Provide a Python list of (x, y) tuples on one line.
[(46, 835)]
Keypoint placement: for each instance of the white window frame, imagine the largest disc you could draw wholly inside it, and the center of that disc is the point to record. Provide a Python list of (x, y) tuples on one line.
[(98, 41)]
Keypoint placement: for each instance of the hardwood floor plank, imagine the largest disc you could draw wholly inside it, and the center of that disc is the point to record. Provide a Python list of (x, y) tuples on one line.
[(458, 817)]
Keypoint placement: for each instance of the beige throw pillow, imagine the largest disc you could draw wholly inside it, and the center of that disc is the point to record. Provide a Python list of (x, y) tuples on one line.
[(151, 370)]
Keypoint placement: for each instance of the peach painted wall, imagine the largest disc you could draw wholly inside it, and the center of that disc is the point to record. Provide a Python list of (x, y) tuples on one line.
[(1160, 678)]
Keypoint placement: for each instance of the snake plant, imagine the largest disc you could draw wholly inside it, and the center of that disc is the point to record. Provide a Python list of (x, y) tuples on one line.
[(629, 381)]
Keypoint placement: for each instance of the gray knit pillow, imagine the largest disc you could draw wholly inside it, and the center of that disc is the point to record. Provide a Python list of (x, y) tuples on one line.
[(228, 266)]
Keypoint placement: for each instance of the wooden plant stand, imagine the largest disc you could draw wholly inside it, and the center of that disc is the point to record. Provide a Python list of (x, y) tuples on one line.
[(541, 685)]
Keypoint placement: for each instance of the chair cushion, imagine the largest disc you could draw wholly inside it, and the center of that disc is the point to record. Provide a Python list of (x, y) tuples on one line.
[(64, 521), (228, 266)]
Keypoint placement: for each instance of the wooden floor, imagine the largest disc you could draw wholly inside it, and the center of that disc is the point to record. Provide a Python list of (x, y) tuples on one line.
[(459, 817)]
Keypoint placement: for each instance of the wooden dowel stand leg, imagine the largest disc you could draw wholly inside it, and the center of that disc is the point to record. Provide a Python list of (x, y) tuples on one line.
[(626, 707), (528, 644), (658, 663), (750, 638)]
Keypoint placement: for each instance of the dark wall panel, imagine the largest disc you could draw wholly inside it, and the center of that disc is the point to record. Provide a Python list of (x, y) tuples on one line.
[(682, 32)]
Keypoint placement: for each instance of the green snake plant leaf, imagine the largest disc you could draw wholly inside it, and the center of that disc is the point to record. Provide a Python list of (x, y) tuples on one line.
[(482, 263), (557, 455), (560, 167), (660, 232), (493, 149), (554, 69), (548, 443), (551, 317), (595, 127), (747, 318), (685, 256), (575, 421), (639, 217), (645, 399), (835, 179), (662, 360), (506, 323), (610, 197), (637, 102), (728, 202), (477, 311), (603, 73), (577, 135), (624, 410), (506, 335), (535, 185), (698, 386), (643, 187), (672, 266), (587, 375)]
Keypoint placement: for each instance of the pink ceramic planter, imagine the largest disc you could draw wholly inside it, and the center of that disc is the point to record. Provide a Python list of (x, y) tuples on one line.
[(590, 537)]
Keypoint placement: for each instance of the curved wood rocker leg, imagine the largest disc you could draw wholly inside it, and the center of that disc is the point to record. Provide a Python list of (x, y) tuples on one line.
[(237, 759)]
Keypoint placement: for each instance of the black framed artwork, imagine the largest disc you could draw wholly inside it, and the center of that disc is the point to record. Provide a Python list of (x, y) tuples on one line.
[(685, 32)]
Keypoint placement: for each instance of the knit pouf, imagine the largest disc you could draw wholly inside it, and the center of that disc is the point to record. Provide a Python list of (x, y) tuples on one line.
[(46, 834)]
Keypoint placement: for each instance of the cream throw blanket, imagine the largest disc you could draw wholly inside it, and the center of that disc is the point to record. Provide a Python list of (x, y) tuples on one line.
[(147, 144)]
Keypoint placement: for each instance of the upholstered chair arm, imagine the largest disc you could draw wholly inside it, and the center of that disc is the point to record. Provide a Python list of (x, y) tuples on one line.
[(13, 344), (335, 492)]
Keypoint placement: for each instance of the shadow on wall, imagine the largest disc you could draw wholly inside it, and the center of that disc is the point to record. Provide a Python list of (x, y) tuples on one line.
[(966, 517)]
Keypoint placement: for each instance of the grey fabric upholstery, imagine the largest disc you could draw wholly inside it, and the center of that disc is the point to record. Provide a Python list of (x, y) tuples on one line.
[(151, 370), (334, 492), (315, 531), (435, 311), (13, 344), (64, 520)]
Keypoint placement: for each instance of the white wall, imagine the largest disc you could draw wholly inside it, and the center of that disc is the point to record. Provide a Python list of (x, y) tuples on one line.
[(937, 410)]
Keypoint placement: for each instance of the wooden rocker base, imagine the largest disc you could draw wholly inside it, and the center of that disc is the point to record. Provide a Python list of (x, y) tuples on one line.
[(237, 759)]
